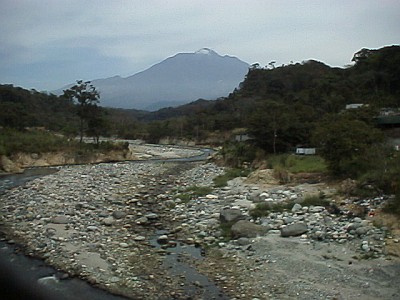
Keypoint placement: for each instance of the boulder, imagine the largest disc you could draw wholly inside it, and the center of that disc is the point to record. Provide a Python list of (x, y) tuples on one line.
[(295, 229), (246, 229), (228, 215)]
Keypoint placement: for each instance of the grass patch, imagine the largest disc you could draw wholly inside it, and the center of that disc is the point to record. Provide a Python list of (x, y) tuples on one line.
[(184, 197), (13, 141), (39, 141), (315, 200), (298, 164), (199, 191), (192, 192), (222, 180), (264, 209)]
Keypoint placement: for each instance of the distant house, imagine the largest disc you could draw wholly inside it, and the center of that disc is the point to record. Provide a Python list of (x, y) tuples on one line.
[(355, 105), (305, 151), (242, 137)]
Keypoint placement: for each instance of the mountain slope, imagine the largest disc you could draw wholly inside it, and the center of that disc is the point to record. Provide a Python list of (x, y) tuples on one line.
[(177, 80)]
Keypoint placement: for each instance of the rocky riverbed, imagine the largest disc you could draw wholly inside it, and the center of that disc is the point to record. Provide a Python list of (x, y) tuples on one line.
[(115, 224)]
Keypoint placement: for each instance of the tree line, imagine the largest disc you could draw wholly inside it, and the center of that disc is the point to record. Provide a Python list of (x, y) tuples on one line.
[(280, 107)]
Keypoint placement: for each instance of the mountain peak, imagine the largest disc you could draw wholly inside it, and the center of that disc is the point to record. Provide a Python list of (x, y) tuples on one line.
[(206, 51)]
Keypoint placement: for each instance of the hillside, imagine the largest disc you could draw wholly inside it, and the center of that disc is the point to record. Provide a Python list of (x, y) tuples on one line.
[(300, 94)]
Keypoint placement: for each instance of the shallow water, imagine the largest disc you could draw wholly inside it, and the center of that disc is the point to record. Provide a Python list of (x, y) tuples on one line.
[(24, 277), (13, 180), (196, 284)]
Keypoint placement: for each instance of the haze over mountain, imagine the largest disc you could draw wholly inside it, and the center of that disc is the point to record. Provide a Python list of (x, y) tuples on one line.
[(177, 80)]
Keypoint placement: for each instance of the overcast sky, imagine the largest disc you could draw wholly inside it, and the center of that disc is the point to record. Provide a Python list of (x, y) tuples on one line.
[(46, 44)]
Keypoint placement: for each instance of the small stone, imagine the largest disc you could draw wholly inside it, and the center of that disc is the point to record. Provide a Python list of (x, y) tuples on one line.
[(243, 241), (103, 214), (315, 209), (108, 221), (295, 229), (92, 228), (59, 220), (162, 239), (362, 230), (123, 245), (297, 207), (118, 214), (115, 279), (365, 247), (230, 215), (151, 216), (142, 220)]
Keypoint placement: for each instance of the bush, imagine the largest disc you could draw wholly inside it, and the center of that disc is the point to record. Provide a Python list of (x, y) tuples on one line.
[(38, 141), (193, 191), (393, 206), (199, 191), (264, 209), (297, 164), (345, 142), (237, 153), (281, 174), (315, 200), (13, 141)]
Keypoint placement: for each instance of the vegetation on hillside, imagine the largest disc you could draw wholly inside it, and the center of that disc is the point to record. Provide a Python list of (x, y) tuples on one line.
[(275, 108)]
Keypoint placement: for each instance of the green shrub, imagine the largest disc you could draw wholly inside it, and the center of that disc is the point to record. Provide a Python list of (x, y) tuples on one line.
[(38, 141), (12, 141), (193, 191), (281, 174), (264, 209), (297, 164), (306, 164), (237, 153), (184, 197), (393, 206), (315, 200), (199, 191)]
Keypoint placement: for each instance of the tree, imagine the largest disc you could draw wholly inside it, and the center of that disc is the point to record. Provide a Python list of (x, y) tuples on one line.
[(86, 97), (346, 144), (361, 55), (268, 124)]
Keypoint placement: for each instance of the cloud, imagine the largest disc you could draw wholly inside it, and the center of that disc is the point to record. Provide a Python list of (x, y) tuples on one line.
[(124, 37)]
